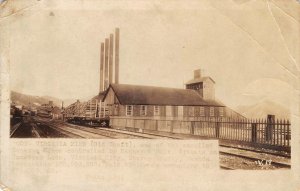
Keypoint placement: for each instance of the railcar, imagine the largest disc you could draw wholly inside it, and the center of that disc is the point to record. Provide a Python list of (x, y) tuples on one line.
[(91, 113)]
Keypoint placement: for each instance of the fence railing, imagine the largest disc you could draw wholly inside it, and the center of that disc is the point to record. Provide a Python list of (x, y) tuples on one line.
[(259, 131)]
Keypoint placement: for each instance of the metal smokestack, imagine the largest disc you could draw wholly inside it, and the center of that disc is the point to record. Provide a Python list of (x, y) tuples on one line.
[(106, 64), (101, 67), (111, 58), (117, 38)]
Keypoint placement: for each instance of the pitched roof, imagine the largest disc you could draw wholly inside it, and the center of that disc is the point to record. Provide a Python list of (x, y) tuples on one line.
[(202, 79), (100, 96), (149, 95)]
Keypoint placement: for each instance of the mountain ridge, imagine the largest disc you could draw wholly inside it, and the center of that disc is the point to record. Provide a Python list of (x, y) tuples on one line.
[(26, 100), (264, 108)]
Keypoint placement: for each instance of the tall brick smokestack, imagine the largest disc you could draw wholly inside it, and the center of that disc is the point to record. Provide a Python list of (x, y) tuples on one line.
[(117, 38), (101, 67), (106, 83), (111, 58)]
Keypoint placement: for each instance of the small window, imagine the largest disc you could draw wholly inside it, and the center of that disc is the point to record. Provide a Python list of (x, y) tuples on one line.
[(129, 110), (221, 111), (156, 110), (202, 113), (211, 111), (143, 110)]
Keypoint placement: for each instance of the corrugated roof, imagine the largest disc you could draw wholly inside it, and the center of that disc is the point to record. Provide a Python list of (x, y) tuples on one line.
[(149, 95), (202, 79)]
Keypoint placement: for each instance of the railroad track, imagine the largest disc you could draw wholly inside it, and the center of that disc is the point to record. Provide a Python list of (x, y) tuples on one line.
[(34, 130), (141, 134), (80, 133), (104, 132), (68, 133), (73, 132), (14, 128), (110, 134), (226, 167), (165, 136), (117, 133), (249, 159), (24, 130), (131, 133), (257, 151)]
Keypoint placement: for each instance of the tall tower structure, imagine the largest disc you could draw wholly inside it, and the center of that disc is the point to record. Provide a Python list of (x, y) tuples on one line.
[(109, 61), (204, 85), (117, 45)]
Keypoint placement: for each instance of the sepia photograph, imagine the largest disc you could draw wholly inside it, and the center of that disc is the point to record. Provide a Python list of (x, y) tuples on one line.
[(154, 72), (176, 102)]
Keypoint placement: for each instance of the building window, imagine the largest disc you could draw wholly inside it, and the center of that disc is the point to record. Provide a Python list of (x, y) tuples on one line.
[(156, 110), (143, 110), (211, 111), (221, 111), (129, 110), (202, 113), (191, 111)]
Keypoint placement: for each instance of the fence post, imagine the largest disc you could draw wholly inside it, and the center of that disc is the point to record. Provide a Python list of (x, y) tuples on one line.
[(288, 135), (270, 127), (217, 130), (253, 132)]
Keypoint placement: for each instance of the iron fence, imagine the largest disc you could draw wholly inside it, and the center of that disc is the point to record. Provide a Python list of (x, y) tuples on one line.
[(256, 131)]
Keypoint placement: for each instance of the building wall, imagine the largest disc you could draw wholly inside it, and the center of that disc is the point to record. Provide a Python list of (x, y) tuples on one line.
[(136, 110), (111, 98), (188, 112), (162, 110), (122, 110), (175, 111), (150, 110), (197, 86), (208, 90)]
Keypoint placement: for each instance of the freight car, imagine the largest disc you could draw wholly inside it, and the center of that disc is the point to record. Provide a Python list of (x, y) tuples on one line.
[(101, 122), (91, 113), (44, 115)]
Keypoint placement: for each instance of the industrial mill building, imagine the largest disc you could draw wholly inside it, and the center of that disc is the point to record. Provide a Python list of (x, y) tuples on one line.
[(129, 103)]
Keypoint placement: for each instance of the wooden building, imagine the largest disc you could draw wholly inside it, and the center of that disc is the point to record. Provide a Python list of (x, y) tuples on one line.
[(134, 101), (135, 105), (157, 108)]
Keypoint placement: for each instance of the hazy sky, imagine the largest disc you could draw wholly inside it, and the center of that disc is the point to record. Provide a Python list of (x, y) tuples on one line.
[(250, 48)]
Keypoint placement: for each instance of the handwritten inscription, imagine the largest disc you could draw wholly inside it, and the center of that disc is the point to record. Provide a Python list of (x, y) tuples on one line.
[(263, 162)]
